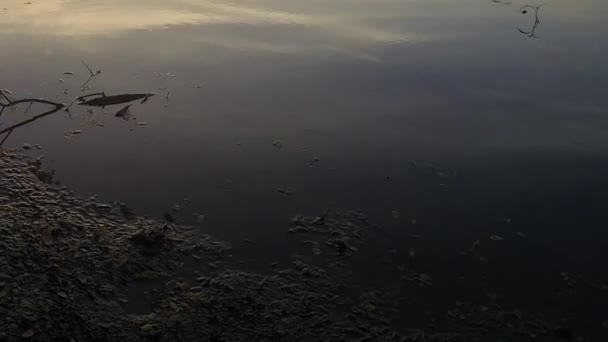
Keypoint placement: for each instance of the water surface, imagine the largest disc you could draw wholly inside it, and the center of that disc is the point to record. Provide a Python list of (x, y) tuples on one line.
[(432, 117)]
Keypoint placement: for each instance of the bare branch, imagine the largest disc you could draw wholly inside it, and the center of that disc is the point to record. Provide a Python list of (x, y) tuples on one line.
[(10, 103)]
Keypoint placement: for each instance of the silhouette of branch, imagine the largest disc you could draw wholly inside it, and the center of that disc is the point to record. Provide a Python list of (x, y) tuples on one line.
[(524, 10), (8, 102), (91, 74)]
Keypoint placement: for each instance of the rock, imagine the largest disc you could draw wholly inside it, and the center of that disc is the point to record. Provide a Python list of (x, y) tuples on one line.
[(28, 333)]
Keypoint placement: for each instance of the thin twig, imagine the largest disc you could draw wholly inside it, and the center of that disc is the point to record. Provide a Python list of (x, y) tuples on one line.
[(12, 103), (57, 108), (6, 137), (43, 101), (86, 66), (91, 74), (28, 107), (532, 32), (2, 93)]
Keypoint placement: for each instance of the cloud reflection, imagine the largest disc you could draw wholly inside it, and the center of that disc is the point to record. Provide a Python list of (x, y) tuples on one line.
[(83, 18)]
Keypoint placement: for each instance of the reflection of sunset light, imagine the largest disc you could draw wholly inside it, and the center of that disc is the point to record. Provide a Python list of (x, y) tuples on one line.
[(342, 27), (65, 17)]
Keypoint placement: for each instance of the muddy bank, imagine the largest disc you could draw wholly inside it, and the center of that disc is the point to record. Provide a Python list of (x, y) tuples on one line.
[(75, 269)]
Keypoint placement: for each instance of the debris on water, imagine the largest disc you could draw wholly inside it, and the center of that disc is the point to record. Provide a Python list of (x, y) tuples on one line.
[(395, 214), (68, 73), (199, 217), (343, 232), (145, 99), (38, 146), (123, 112), (284, 191), (425, 280), (143, 123), (496, 238), (277, 144), (432, 170), (412, 252), (28, 333), (521, 235), (475, 246), (103, 100), (316, 248), (76, 132), (26, 147)]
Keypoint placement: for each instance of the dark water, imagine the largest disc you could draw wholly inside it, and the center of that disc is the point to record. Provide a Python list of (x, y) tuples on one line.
[(335, 101)]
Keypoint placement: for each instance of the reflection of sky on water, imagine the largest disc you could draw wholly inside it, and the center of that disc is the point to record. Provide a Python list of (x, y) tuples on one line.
[(354, 90), (363, 85)]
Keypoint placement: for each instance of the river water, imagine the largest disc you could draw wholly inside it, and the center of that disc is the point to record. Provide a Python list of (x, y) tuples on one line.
[(453, 120)]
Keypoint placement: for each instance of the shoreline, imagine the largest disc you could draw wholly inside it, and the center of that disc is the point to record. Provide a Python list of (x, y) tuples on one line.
[(79, 270)]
